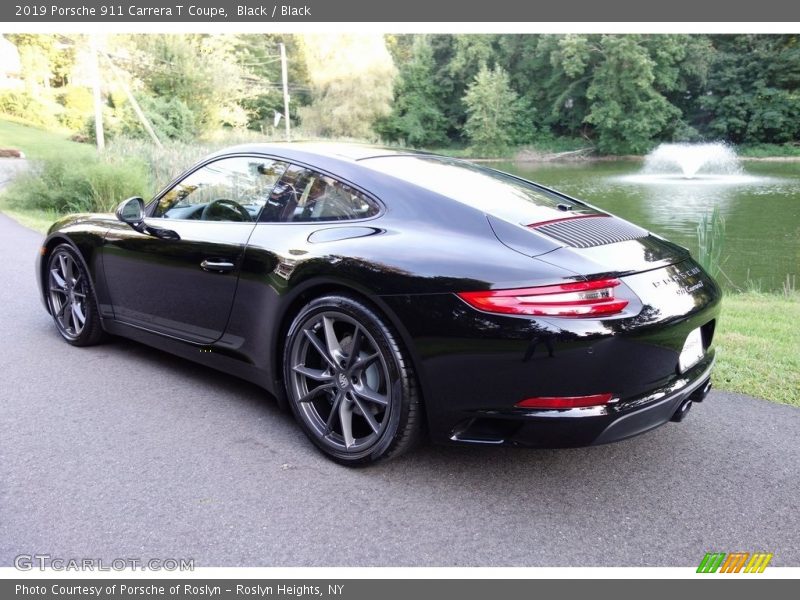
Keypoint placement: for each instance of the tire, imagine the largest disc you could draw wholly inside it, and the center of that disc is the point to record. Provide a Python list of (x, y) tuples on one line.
[(349, 383), (70, 298)]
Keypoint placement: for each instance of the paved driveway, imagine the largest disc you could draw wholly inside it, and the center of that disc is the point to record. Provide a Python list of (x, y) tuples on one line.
[(124, 451)]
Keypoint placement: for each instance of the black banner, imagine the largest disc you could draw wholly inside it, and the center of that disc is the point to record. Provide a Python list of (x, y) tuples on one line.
[(325, 11), (385, 589)]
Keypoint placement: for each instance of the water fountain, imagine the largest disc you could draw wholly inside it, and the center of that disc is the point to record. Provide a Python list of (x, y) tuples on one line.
[(693, 160), (692, 164)]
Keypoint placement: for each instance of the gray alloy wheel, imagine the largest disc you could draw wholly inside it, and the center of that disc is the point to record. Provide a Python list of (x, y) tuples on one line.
[(349, 383), (70, 298)]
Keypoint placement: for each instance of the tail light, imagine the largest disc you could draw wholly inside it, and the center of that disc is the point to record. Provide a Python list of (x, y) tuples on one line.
[(579, 299), (546, 402)]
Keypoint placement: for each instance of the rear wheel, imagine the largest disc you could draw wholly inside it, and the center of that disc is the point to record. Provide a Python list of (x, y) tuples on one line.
[(349, 383), (70, 298)]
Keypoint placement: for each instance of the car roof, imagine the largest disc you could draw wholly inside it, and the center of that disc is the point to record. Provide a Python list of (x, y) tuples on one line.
[(314, 151), (377, 170)]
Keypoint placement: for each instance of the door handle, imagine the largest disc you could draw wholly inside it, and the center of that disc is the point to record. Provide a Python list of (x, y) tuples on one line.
[(220, 266)]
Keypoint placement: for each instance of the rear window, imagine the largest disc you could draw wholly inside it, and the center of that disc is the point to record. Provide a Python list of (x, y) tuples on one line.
[(489, 191)]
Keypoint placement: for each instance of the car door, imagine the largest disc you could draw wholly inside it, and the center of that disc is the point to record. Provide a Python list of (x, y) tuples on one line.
[(178, 274)]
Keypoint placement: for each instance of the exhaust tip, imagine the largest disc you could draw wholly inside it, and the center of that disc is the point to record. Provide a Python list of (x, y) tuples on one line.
[(682, 411), (701, 392)]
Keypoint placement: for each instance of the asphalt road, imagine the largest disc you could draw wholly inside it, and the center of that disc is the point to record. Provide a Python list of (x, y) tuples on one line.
[(124, 451)]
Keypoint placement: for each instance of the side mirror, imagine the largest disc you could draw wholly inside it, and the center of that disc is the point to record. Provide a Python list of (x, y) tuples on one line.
[(131, 211)]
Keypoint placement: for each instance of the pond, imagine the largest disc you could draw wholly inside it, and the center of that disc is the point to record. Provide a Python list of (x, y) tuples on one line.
[(761, 208)]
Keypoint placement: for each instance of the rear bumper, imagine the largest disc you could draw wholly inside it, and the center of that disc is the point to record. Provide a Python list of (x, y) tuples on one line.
[(587, 426), (475, 367)]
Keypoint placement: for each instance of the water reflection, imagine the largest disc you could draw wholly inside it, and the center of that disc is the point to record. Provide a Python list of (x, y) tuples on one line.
[(681, 205), (761, 206)]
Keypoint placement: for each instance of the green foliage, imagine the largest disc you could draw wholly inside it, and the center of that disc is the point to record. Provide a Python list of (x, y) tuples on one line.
[(680, 70), (258, 56), (351, 79), (619, 93), (626, 109), (711, 241), (33, 108), (78, 104), (171, 119), (201, 71), (162, 164), (768, 150), (626, 93), (47, 59), (66, 184), (492, 110), (416, 117), (752, 91), (457, 60), (639, 85)]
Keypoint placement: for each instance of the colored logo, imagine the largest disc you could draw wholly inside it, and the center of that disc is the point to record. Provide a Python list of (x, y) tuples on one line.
[(735, 562)]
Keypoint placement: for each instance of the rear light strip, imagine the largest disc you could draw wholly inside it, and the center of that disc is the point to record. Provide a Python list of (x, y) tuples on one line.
[(553, 402), (580, 299)]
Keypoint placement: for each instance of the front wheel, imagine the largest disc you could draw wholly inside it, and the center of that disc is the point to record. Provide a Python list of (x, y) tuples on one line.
[(349, 383), (70, 298)]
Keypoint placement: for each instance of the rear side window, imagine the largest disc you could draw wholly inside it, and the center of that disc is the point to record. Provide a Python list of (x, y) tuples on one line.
[(487, 190), (305, 195)]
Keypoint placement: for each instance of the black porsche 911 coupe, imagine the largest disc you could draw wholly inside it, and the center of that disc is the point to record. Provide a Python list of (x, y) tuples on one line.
[(386, 294)]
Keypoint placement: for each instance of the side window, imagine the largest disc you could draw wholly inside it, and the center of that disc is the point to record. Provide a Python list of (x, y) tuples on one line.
[(229, 189), (305, 195)]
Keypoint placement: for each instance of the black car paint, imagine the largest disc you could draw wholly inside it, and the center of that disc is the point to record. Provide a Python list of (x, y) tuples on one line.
[(472, 366)]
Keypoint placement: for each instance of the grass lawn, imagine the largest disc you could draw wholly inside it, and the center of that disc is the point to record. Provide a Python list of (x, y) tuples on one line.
[(758, 346), (38, 143)]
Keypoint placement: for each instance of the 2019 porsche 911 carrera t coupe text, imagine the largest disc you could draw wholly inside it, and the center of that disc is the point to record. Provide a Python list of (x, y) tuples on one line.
[(386, 294)]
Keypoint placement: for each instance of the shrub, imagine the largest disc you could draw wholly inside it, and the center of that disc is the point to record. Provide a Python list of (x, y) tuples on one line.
[(78, 106), (163, 164), (36, 110), (170, 117), (68, 184)]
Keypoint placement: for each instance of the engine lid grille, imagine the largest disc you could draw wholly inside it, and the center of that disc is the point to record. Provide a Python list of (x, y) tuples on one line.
[(591, 230)]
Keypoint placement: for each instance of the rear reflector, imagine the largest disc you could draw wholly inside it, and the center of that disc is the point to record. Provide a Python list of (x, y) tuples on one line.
[(580, 299), (565, 401)]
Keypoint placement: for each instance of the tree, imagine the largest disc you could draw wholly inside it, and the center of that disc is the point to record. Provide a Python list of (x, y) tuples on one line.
[(753, 84), (416, 116), (351, 78), (258, 55), (47, 58), (199, 70), (572, 60), (626, 110), (680, 71), (492, 111)]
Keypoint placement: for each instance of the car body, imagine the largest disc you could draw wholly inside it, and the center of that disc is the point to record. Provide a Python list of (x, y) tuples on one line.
[(494, 310)]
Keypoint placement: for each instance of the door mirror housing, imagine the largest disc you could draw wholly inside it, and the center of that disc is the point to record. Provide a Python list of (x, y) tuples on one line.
[(131, 211)]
